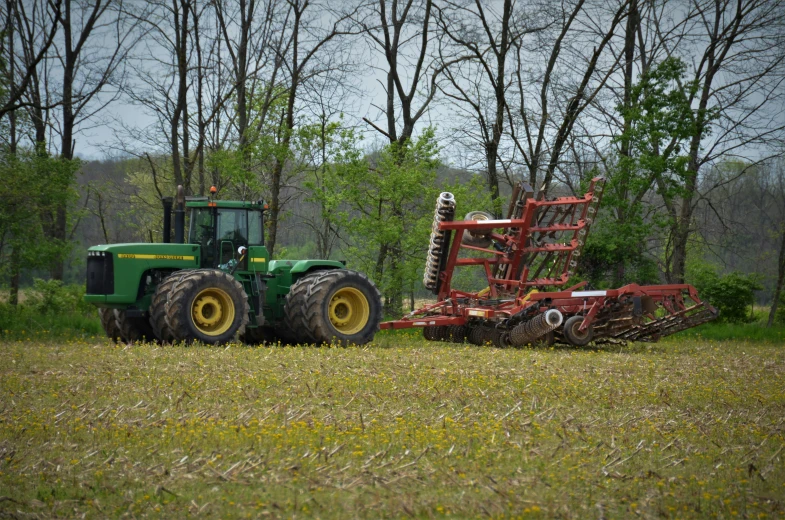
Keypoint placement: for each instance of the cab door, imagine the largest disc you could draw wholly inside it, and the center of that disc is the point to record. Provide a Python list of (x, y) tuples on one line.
[(232, 234)]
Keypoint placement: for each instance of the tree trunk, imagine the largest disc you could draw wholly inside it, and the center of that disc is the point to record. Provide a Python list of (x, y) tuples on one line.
[(66, 143), (16, 275), (629, 60), (780, 280)]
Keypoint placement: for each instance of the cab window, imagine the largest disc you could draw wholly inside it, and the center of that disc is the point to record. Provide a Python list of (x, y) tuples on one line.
[(255, 237), (233, 226)]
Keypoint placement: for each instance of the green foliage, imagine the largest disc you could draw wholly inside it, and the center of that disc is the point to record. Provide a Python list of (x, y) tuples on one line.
[(34, 186), (50, 309), (386, 209), (651, 158), (614, 254), (53, 297), (731, 293)]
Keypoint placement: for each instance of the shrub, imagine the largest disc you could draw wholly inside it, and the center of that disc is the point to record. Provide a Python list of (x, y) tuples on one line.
[(52, 297), (731, 293)]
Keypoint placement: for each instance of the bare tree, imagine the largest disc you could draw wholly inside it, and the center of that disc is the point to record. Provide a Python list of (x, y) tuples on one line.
[(479, 84), (402, 33), (576, 52), (316, 31), (36, 25), (736, 88), (253, 33)]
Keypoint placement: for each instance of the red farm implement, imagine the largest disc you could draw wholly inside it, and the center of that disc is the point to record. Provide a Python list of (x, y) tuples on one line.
[(527, 259)]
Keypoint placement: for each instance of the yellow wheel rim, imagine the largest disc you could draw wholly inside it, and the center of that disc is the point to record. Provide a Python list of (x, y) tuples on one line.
[(349, 310), (212, 311)]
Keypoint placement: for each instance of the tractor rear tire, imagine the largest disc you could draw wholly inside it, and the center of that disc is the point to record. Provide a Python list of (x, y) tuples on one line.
[(294, 310), (158, 307), (110, 325), (134, 329), (342, 306), (259, 336), (207, 305), (573, 335)]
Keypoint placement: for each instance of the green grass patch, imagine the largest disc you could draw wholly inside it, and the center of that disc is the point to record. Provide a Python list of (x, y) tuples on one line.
[(756, 331), (25, 322), (685, 429)]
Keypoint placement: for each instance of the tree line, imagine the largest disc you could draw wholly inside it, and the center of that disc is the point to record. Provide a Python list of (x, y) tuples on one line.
[(339, 113)]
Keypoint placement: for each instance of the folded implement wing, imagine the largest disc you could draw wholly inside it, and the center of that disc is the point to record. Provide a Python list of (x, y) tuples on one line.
[(527, 259)]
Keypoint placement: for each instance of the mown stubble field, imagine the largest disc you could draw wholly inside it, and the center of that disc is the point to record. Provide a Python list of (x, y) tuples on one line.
[(400, 428)]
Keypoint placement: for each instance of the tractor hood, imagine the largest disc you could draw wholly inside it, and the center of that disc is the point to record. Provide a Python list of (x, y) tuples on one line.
[(115, 272), (150, 252)]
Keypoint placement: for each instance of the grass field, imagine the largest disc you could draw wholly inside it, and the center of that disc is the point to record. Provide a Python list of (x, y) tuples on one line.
[(402, 428)]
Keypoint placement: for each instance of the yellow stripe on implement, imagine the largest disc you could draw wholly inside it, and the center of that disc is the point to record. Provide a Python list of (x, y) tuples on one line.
[(155, 257), (258, 259)]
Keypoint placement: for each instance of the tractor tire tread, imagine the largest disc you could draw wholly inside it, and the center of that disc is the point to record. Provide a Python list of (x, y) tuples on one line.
[(318, 324), (134, 329), (178, 304), (158, 307), (110, 325), (295, 320)]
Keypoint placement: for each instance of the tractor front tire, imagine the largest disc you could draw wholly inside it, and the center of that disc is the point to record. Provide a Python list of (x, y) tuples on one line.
[(577, 337), (342, 306), (207, 305), (110, 325), (134, 329)]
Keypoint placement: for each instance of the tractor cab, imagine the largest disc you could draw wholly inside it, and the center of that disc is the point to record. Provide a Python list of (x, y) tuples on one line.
[(223, 229)]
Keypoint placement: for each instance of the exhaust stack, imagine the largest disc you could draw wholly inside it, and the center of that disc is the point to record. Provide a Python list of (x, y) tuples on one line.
[(167, 202), (179, 216)]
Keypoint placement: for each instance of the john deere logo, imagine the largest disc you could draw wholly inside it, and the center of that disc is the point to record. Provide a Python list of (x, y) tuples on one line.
[(155, 257)]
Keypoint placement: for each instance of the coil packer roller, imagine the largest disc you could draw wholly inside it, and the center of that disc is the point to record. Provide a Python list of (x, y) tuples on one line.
[(526, 259)]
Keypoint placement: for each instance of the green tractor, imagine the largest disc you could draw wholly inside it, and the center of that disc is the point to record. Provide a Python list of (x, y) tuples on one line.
[(219, 282)]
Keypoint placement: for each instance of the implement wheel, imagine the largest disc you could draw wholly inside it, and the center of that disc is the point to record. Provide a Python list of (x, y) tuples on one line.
[(110, 325), (207, 305), (342, 306), (477, 238), (575, 336), (430, 333)]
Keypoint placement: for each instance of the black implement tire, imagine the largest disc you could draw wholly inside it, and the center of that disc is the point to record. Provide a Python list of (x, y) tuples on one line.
[(110, 325), (492, 336), (429, 332), (442, 333), (158, 307), (457, 333), (476, 334), (134, 329), (295, 322), (342, 306), (573, 335), (207, 305)]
